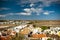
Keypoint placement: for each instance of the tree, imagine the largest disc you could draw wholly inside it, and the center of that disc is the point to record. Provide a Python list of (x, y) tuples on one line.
[(44, 27), (49, 39)]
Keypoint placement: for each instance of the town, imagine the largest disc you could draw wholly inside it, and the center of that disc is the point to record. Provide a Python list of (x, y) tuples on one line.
[(29, 29)]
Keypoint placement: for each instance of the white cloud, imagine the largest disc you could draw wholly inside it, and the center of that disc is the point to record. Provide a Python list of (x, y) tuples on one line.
[(31, 5), (44, 2), (34, 10), (38, 11), (2, 15), (48, 2), (3, 8), (51, 11), (48, 12), (10, 14), (23, 13), (19, 13), (27, 10)]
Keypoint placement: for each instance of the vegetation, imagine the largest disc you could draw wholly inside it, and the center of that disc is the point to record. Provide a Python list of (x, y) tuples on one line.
[(35, 26), (44, 27), (49, 39)]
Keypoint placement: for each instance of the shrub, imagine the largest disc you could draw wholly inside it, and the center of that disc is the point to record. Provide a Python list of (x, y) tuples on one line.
[(44, 27), (49, 39)]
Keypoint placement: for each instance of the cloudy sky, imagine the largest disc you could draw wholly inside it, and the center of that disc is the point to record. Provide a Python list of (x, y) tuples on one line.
[(29, 9)]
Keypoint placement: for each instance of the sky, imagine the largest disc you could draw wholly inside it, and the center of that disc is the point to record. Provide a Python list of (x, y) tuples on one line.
[(29, 9)]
